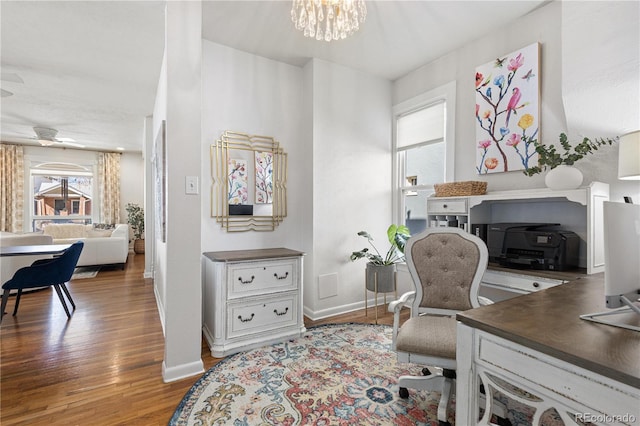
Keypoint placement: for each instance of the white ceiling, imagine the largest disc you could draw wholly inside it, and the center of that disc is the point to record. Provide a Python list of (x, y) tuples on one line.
[(91, 68)]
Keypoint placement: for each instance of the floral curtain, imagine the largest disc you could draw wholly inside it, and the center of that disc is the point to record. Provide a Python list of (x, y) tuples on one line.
[(11, 188), (109, 178)]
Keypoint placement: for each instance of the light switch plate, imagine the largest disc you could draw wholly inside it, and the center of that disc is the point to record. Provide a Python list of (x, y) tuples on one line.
[(191, 185)]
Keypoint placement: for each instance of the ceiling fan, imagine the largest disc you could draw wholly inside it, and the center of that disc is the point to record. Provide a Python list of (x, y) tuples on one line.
[(47, 137), (10, 77)]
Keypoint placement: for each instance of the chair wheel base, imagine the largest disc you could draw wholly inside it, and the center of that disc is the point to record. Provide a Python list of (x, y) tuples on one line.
[(403, 393)]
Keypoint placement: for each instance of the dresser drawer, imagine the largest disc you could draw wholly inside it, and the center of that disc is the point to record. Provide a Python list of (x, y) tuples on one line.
[(448, 206), (253, 278), (257, 315)]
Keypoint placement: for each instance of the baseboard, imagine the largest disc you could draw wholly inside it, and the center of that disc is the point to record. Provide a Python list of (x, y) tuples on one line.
[(160, 309), (336, 310), (172, 374)]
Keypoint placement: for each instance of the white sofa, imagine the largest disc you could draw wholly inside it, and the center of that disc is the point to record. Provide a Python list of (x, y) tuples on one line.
[(10, 264), (101, 246)]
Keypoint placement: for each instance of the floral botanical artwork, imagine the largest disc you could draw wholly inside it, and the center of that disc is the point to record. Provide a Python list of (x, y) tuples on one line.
[(264, 177), (237, 178), (508, 111)]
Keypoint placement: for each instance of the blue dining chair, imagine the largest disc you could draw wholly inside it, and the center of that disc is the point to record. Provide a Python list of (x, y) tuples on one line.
[(54, 272)]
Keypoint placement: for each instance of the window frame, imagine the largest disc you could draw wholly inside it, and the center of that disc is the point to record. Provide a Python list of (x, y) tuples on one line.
[(447, 94), (57, 168)]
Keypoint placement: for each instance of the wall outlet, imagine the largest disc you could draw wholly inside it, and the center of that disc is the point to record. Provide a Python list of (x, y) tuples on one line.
[(191, 185)]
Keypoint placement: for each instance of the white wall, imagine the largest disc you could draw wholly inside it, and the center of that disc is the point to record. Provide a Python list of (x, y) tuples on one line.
[(351, 113), (179, 256), (250, 94), (334, 124), (573, 36), (131, 182), (601, 83), (149, 211), (159, 250), (543, 26)]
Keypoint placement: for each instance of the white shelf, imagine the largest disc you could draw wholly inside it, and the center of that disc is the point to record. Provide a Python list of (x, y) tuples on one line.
[(578, 210)]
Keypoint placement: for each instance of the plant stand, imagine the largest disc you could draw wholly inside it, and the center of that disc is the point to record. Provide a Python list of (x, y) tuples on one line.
[(379, 279)]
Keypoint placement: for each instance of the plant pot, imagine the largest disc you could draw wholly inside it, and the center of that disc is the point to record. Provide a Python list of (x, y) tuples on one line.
[(385, 275), (138, 246), (563, 177)]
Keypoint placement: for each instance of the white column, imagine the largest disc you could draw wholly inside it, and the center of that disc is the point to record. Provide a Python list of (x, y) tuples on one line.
[(183, 301)]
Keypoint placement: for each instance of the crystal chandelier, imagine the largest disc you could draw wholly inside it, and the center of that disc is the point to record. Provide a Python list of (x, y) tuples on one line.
[(328, 19)]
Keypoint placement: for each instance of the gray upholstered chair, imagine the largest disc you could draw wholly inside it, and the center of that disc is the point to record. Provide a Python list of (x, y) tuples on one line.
[(446, 265)]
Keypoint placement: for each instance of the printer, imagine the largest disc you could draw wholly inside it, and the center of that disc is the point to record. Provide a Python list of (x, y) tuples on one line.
[(533, 246)]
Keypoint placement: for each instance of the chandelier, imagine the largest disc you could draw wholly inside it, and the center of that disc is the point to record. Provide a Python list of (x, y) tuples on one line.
[(328, 19)]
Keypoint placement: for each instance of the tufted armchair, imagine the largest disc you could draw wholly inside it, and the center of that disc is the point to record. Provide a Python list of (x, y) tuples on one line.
[(446, 265)]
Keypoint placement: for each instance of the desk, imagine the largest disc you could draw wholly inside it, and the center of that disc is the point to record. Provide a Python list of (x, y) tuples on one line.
[(539, 344), (54, 249)]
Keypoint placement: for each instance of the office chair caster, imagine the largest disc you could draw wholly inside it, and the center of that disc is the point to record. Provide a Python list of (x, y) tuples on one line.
[(403, 393)]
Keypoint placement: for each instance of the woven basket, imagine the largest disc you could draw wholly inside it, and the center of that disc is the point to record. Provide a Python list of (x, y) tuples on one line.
[(457, 189)]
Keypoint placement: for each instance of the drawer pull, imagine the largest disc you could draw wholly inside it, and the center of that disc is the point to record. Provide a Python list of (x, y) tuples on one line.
[(281, 277), (247, 281), (275, 311), (246, 319), (536, 284)]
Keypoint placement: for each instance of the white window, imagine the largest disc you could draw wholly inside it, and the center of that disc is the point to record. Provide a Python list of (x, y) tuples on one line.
[(61, 193), (423, 150)]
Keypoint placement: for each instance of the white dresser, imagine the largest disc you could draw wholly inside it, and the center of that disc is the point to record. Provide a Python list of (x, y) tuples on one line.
[(251, 298)]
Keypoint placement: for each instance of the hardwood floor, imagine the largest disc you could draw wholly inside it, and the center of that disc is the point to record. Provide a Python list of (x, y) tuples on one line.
[(103, 366)]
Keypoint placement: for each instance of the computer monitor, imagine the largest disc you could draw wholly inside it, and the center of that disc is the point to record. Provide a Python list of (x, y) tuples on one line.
[(621, 252), (622, 262)]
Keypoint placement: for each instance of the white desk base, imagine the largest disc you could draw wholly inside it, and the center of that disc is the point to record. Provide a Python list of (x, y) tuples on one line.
[(575, 393)]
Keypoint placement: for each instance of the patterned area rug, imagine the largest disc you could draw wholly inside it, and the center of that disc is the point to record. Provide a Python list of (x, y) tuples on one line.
[(342, 374)]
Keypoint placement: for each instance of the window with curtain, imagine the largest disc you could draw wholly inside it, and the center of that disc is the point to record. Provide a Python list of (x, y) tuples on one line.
[(422, 154)]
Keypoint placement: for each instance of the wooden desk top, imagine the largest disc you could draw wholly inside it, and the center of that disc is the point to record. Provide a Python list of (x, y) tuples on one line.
[(33, 250), (256, 254), (548, 321)]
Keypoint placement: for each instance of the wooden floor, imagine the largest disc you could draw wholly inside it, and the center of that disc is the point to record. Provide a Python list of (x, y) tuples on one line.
[(102, 367)]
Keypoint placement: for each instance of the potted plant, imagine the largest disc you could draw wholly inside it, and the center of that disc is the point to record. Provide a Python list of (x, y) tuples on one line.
[(135, 218), (562, 160), (383, 268)]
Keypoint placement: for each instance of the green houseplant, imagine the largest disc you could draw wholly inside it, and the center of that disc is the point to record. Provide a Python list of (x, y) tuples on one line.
[(380, 272), (549, 157), (397, 235), (135, 218)]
